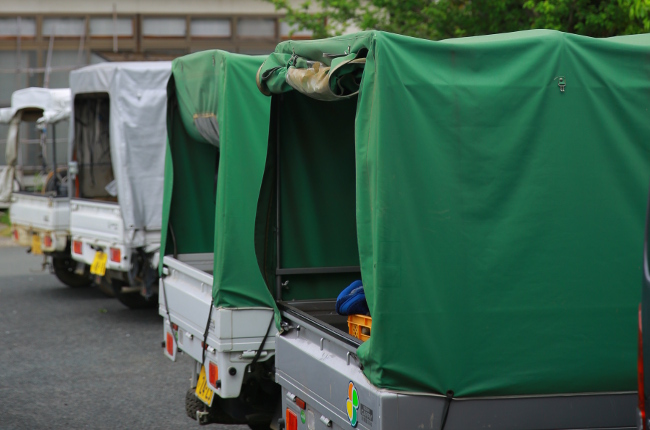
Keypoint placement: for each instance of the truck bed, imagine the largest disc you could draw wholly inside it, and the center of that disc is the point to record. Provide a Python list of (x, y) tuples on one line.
[(321, 314), (316, 362), (235, 334)]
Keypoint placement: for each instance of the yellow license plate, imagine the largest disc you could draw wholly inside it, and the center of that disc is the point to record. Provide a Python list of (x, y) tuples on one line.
[(203, 392), (36, 245), (99, 264)]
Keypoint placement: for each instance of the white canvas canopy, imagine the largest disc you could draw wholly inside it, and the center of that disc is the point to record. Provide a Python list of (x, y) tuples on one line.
[(138, 132), (55, 104)]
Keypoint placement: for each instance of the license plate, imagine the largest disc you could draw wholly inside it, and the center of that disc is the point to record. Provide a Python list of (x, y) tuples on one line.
[(99, 264), (36, 245), (203, 392)]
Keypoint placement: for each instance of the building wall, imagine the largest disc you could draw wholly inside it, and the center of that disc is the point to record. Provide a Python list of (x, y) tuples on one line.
[(140, 6), (41, 41)]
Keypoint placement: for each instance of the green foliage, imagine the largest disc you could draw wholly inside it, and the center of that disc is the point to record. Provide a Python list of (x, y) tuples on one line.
[(4, 218), (441, 19), (591, 18)]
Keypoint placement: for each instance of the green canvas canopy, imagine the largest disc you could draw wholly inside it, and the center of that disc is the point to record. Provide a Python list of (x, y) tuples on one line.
[(492, 190), (213, 170)]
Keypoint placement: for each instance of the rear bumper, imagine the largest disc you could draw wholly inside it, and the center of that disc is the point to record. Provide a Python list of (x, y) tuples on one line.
[(90, 247), (23, 236)]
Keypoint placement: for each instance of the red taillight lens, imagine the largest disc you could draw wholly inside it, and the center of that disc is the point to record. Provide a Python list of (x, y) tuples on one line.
[(170, 344), (292, 420), (16, 234), (116, 255), (213, 372), (640, 373), (76, 246), (47, 241), (301, 403)]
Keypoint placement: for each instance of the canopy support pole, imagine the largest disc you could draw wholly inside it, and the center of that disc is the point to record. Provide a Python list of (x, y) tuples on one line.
[(278, 265), (18, 54), (54, 173)]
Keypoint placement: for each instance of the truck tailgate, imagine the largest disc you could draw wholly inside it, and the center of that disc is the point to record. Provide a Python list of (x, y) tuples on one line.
[(97, 220), (40, 212), (186, 292)]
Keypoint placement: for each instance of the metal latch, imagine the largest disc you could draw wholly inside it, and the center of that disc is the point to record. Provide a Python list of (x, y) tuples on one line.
[(247, 355), (326, 421)]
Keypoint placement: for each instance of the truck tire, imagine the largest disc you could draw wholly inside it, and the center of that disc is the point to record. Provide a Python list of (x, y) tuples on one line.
[(133, 300), (192, 404), (64, 270)]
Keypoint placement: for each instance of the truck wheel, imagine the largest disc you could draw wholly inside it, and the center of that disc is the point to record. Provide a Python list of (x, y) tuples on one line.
[(192, 404), (64, 270), (133, 299)]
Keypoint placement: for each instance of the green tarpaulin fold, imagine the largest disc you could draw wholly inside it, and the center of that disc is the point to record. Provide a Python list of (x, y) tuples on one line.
[(217, 128), (499, 199)]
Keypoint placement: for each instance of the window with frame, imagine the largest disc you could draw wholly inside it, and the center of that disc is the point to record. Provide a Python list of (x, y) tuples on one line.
[(210, 27), (64, 27), (106, 27), (17, 26), (286, 29), (256, 27), (164, 27)]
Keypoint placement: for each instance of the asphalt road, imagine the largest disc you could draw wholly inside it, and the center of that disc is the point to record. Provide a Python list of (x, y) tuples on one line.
[(75, 359)]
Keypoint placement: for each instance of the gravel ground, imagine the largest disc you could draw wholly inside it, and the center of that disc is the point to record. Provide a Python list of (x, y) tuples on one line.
[(74, 359)]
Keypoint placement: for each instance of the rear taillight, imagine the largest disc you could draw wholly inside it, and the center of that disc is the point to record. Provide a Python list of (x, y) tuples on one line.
[(116, 255), (292, 420), (76, 246), (16, 235), (47, 241), (170, 344), (640, 374), (213, 374)]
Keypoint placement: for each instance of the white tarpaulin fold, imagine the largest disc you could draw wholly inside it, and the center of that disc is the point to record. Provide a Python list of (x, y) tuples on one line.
[(11, 155), (55, 104), (138, 133)]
